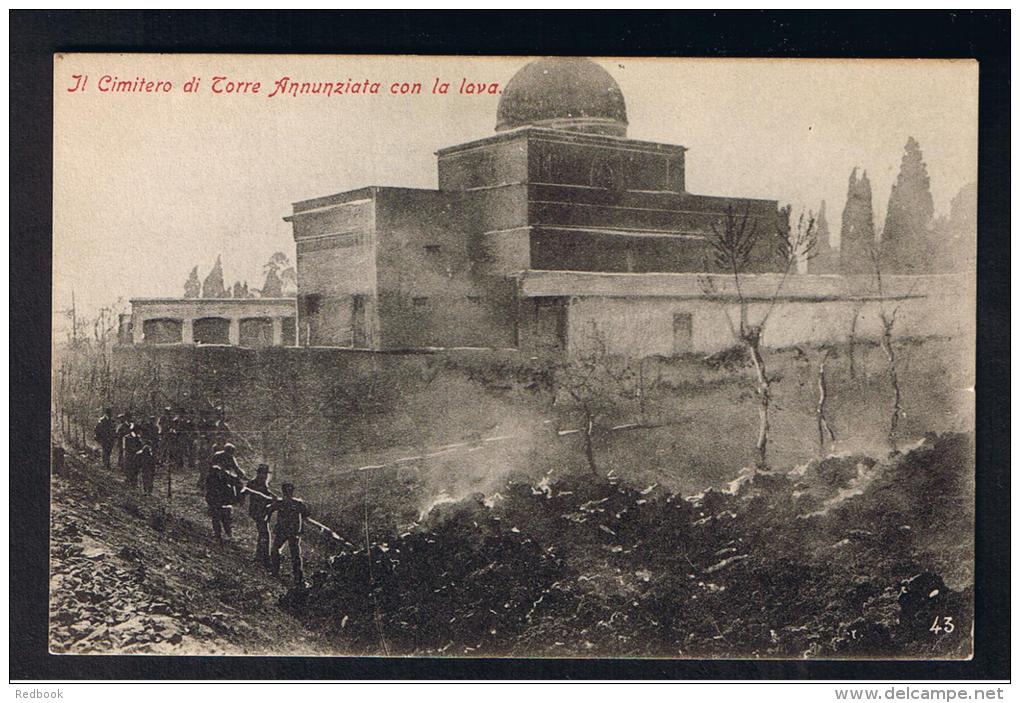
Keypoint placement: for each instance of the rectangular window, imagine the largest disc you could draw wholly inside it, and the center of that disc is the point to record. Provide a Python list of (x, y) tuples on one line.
[(309, 303), (432, 248), (420, 302), (683, 333)]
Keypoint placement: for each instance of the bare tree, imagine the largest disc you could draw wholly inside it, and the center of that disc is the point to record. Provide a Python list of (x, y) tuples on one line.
[(595, 387), (736, 242), (888, 319), (852, 340), (824, 429)]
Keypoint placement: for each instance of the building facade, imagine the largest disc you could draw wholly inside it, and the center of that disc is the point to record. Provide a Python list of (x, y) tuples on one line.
[(243, 322), (559, 187), (554, 226)]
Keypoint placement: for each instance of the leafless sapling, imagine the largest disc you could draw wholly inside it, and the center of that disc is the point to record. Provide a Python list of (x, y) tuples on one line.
[(824, 429), (594, 387), (737, 242), (887, 317)]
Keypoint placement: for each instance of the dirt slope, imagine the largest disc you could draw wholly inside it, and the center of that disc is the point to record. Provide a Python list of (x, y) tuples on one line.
[(128, 578)]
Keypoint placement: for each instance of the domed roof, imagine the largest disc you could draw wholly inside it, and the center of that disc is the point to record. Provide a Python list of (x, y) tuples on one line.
[(575, 94)]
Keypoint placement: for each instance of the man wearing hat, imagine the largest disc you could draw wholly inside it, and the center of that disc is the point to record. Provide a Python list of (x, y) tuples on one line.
[(259, 498)]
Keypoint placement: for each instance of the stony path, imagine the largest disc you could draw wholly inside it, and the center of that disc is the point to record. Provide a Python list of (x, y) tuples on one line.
[(127, 577)]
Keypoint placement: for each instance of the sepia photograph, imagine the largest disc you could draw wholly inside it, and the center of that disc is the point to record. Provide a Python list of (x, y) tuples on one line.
[(544, 357)]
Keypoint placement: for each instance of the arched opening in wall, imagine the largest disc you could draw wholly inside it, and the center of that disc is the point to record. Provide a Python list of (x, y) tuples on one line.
[(162, 330), (289, 332), (256, 332), (212, 330)]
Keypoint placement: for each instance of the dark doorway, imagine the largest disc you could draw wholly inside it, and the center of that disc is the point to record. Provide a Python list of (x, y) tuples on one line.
[(256, 332), (289, 332), (549, 324), (162, 331), (212, 330)]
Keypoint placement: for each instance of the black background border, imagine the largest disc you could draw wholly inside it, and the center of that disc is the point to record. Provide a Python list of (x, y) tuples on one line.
[(36, 35)]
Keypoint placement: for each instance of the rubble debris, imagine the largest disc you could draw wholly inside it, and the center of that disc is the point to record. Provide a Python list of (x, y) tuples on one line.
[(582, 566)]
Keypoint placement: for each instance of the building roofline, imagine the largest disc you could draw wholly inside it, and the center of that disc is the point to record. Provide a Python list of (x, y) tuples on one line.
[(535, 283), (211, 300), (559, 135), (364, 194), (333, 199)]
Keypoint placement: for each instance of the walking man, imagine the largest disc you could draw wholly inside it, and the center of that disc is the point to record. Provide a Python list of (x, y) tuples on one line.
[(222, 491), (290, 523), (226, 459), (123, 430), (145, 462), (106, 435), (260, 497), (132, 450)]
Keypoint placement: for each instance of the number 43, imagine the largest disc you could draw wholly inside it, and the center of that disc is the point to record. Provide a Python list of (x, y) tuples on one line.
[(947, 626)]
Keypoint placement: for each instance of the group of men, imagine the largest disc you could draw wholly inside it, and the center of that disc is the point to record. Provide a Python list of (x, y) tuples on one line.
[(175, 441)]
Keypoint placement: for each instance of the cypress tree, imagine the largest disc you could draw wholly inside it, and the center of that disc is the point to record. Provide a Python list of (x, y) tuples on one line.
[(192, 288), (825, 258), (956, 235), (857, 235), (213, 287), (907, 236)]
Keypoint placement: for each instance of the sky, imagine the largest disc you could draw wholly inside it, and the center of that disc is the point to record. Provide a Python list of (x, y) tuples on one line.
[(148, 185)]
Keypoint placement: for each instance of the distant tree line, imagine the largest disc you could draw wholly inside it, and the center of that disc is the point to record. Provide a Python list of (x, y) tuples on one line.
[(913, 240), (280, 281)]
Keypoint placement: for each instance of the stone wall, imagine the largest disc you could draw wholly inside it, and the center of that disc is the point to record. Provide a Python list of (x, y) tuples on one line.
[(648, 325)]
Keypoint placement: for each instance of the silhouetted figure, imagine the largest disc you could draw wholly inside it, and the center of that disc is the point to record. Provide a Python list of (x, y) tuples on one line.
[(149, 431), (123, 430), (106, 435), (290, 522), (222, 491), (132, 447), (260, 497), (145, 461), (225, 458)]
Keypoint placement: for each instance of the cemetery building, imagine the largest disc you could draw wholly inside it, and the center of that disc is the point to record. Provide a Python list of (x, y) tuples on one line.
[(556, 224)]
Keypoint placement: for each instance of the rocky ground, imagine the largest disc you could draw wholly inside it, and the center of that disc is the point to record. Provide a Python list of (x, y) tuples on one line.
[(130, 577), (845, 557), (851, 556)]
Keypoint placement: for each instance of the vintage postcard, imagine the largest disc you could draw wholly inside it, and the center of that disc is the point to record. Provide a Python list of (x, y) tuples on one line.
[(579, 357)]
